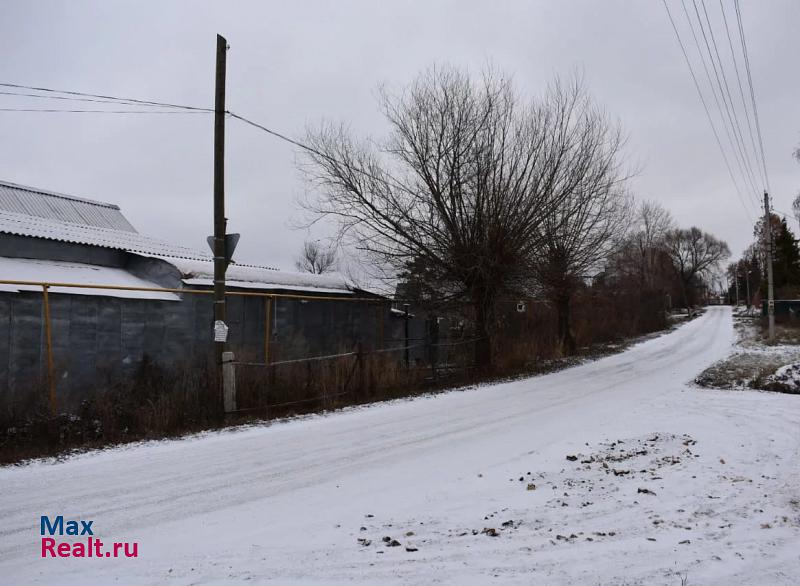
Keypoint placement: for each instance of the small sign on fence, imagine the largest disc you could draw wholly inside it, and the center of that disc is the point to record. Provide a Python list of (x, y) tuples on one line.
[(220, 331)]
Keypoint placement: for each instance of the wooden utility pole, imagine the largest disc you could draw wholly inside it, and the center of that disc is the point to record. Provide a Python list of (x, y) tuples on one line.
[(768, 244), (220, 331)]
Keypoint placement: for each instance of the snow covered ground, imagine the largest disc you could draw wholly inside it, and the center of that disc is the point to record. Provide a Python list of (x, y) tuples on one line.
[(613, 472)]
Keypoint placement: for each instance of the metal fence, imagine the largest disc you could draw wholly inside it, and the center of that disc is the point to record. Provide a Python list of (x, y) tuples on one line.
[(273, 372)]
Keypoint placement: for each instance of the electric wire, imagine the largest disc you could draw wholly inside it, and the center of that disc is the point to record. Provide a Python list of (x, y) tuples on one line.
[(719, 94), (729, 105), (60, 110), (741, 91), (109, 99), (708, 112), (752, 91)]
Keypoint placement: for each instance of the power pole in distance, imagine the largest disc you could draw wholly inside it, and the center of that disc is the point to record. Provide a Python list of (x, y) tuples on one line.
[(220, 329), (768, 244)]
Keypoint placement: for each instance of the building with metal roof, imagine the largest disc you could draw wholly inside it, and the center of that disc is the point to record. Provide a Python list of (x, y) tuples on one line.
[(137, 309)]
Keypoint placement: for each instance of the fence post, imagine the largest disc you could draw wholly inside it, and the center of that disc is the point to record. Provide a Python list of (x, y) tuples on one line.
[(407, 353), (360, 366), (229, 382), (48, 332)]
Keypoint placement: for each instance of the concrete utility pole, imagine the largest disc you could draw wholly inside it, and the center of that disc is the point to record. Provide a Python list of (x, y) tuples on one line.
[(736, 280), (768, 243), (220, 329)]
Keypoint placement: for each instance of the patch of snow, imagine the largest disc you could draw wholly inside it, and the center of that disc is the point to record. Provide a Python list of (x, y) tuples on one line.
[(787, 377), (199, 272), (54, 271), (615, 471)]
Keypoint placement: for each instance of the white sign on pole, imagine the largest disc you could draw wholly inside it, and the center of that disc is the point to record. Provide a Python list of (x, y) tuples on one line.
[(220, 331)]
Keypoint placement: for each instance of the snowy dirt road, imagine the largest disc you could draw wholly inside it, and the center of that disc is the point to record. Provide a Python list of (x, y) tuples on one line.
[(664, 483)]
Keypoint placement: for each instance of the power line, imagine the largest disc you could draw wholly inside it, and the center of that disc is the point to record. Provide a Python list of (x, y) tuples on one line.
[(104, 97), (707, 111), (58, 110), (752, 91), (727, 123), (716, 99), (68, 98), (101, 98), (729, 102), (309, 148), (741, 90)]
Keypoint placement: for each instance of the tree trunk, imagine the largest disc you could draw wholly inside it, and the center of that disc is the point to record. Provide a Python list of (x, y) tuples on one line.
[(566, 340), (685, 290)]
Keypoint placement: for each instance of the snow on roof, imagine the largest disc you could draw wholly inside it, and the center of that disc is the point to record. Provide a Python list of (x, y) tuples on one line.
[(38, 227), (198, 272), (54, 271), (25, 211), (64, 208)]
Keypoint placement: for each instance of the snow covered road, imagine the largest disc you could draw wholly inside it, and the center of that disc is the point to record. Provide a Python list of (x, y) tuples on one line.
[(667, 481)]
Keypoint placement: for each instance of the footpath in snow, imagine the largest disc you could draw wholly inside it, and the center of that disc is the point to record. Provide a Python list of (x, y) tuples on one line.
[(614, 472)]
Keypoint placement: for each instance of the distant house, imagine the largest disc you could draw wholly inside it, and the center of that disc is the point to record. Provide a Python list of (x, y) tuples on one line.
[(100, 335)]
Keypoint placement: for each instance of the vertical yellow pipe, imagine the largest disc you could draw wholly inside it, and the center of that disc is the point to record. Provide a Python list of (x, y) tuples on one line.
[(51, 380)]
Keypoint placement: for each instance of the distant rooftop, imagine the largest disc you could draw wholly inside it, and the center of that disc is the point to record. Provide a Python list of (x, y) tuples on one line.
[(50, 205)]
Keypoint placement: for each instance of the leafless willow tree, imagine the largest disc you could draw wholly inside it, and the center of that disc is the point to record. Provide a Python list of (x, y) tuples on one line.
[(316, 259), (641, 257), (653, 223), (464, 183), (695, 254), (580, 231)]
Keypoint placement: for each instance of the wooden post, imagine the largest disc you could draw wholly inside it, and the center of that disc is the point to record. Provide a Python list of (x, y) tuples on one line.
[(219, 196), (48, 334)]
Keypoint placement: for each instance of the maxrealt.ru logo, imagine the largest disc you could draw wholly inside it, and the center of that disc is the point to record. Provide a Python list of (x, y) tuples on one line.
[(87, 547)]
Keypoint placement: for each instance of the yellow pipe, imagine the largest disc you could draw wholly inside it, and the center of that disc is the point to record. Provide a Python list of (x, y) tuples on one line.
[(51, 380), (194, 291)]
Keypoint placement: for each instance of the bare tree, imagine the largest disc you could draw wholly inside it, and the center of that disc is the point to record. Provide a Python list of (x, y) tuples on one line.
[(654, 222), (581, 231), (695, 254), (462, 185), (316, 259), (641, 256)]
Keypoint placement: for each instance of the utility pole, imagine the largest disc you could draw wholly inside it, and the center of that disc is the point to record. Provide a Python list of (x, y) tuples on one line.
[(768, 244), (749, 299), (220, 328), (736, 280)]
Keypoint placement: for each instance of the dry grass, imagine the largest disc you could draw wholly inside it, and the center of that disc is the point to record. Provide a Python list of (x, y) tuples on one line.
[(755, 358)]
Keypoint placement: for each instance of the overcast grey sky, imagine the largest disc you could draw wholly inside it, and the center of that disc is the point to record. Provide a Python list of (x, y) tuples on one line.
[(294, 63)]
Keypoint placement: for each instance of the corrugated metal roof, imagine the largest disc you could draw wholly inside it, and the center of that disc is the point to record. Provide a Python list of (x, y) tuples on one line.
[(64, 208), (28, 212), (27, 225)]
